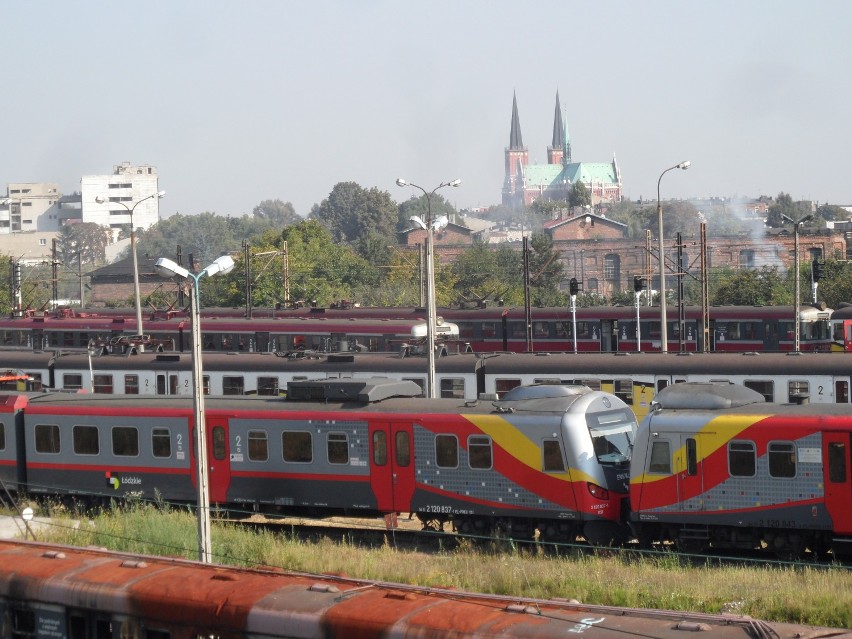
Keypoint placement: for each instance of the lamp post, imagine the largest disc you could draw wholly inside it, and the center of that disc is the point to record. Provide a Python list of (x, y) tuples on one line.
[(100, 200), (796, 303), (429, 225), (664, 332), (167, 268)]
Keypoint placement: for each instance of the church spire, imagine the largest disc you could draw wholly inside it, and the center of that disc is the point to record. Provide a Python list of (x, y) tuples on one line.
[(557, 150), (558, 134), (516, 140)]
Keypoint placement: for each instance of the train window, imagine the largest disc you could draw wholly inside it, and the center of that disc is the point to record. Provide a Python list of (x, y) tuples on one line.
[(85, 440), (125, 441), (541, 329), (2, 436), (782, 459), (479, 451), (452, 388), (489, 330), (102, 384), (661, 458), (23, 623), (796, 389), (594, 384), (219, 443), (502, 386), (553, 461), (258, 446), (338, 448), (161, 442), (157, 634), (267, 385), (547, 380), (765, 387), (403, 448), (691, 457), (624, 390), (380, 448), (298, 447), (837, 462), (47, 438), (447, 451), (563, 330), (131, 384), (72, 381), (587, 330), (517, 330), (233, 385), (206, 384), (741, 459), (841, 391)]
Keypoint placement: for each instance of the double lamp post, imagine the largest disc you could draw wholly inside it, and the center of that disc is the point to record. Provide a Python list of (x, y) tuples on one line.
[(429, 225), (167, 268), (664, 332)]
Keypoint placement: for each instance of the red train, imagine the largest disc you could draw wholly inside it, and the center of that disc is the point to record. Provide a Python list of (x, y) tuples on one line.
[(486, 329), (49, 591), (552, 459), (715, 466)]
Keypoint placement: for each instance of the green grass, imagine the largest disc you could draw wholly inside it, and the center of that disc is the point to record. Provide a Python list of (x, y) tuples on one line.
[(784, 593)]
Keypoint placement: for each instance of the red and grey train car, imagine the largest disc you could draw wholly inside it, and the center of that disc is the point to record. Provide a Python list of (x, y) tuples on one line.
[(714, 465), (553, 459), (49, 591)]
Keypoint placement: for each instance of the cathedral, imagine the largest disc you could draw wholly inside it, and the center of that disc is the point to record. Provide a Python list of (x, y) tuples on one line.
[(525, 182)]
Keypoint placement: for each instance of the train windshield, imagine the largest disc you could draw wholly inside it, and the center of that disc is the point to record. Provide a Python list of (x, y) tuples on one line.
[(613, 433)]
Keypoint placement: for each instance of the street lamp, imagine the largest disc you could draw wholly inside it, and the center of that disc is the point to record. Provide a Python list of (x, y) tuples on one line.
[(167, 268), (664, 332), (796, 303), (430, 225), (100, 199)]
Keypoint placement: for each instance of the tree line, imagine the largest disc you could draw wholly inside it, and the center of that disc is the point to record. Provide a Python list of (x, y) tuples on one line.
[(347, 248)]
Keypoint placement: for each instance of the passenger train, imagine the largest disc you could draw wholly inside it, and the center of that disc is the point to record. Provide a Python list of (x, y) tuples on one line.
[(487, 329), (49, 591), (172, 332), (633, 377), (552, 459), (711, 466)]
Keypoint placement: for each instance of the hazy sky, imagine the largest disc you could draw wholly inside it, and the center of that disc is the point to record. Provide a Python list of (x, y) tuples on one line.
[(238, 102)]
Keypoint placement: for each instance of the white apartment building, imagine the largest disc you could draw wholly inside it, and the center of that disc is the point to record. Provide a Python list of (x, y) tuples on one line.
[(29, 206), (110, 200)]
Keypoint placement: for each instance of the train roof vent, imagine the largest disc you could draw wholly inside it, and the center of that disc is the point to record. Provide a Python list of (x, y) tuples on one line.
[(706, 396), (171, 357), (340, 358), (351, 389)]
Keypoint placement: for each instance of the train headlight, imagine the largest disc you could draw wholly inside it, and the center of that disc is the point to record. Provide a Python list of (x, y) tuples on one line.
[(597, 492)]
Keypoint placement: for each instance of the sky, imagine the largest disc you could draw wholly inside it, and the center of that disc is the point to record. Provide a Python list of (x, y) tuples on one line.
[(243, 101)]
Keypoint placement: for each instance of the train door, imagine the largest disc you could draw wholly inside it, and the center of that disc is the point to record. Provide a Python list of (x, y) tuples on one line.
[(218, 459), (392, 465), (837, 448), (261, 342), (168, 384), (609, 335), (770, 335), (690, 483)]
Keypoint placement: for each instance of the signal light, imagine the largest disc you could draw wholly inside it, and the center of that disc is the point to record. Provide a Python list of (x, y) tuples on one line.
[(574, 286), (817, 270), (639, 284)]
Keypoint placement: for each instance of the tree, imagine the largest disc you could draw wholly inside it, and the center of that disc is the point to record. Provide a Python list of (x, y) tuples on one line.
[(419, 206), (351, 213), (484, 273), (784, 210), (580, 195), (86, 238), (546, 271), (276, 212), (205, 236), (764, 286)]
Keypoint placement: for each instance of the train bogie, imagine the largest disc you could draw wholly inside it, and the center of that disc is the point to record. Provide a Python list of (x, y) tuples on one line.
[(717, 466)]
